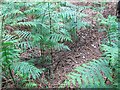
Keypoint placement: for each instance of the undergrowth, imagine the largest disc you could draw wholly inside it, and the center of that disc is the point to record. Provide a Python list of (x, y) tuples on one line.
[(30, 27), (104, 72), (45, 27)]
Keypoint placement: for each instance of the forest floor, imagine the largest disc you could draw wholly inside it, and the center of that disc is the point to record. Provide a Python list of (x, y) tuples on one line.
[(86, 48)]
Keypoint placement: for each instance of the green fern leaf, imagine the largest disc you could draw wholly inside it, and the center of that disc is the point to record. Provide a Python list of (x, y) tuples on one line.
[(30, 85), (89, 74), (26, 68)]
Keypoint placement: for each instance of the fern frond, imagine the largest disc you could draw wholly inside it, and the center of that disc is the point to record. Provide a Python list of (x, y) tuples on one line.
[(25, 44), (27, 69), (30, 85), (59, 37), (89, 75), (9, 10), (29, 24), (23, 34), (13, 12), (111, 51), (8, 37), (8, 53), (60, 46)]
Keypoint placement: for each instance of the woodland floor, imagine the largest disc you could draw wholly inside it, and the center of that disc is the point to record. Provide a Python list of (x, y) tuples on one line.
[(86, 48)]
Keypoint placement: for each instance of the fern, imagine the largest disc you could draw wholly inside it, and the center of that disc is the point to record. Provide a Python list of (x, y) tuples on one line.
[(61, 18), (23, 34), (89, 75), (27, 69), (43, 25), (9, 53), (8, 37), (110, 53), (24, 38), (59, 37), (29, 24), (61, 47), (31, 85), (110, 48), (11, 63)]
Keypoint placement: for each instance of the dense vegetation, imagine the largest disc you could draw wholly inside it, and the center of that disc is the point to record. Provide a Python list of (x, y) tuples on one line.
[(32, 32)]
